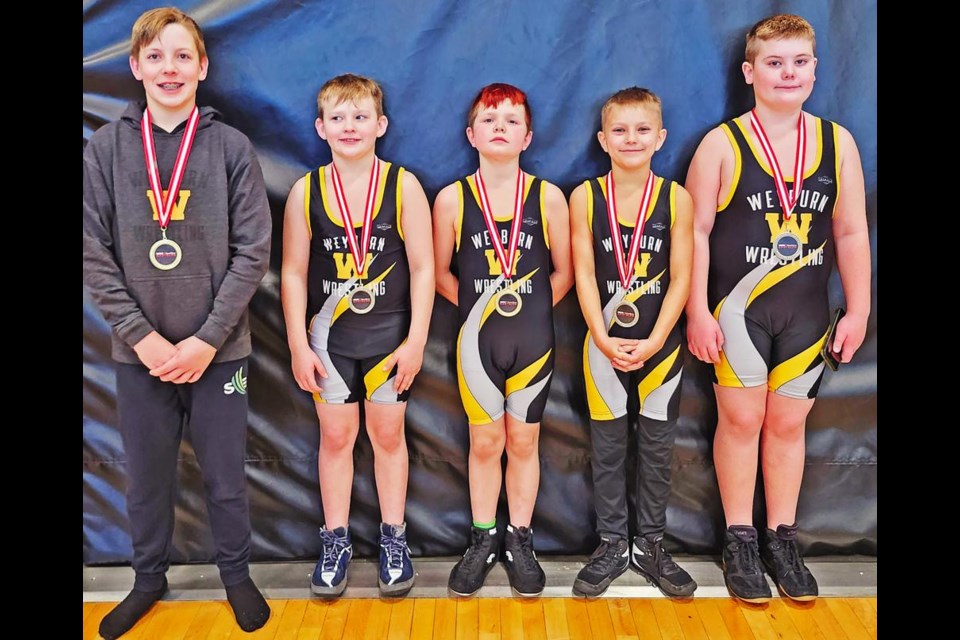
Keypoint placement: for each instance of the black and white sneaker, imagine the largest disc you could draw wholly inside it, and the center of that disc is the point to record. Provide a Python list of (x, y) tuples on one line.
[(526, 577), (606, 564), (468, 574), (657, 565)]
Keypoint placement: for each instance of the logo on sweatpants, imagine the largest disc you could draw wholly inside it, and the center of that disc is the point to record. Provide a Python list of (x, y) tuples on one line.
[(237, 384)]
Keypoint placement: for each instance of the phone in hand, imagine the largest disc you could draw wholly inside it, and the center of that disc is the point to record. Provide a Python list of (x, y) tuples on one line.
[(831, 357)]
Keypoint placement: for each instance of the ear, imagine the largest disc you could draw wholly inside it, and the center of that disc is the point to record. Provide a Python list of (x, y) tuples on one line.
[(527, 139), (660, 138), (603, 141), (382, 126), (470, 137), (747, 69), (135, 68), (204, 68), (318, 125), (814, 68)]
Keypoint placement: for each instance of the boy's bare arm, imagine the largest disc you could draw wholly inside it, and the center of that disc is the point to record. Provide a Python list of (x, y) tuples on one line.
[(704, 337), (418, 243), (293, 290), (445, 210), (558, 230), (852, 240)]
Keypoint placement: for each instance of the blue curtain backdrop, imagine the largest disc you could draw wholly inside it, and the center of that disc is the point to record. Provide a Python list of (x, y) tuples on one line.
[(267, 61)]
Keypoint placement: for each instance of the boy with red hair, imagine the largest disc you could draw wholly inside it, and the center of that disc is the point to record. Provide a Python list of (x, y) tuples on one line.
[(506, 230)]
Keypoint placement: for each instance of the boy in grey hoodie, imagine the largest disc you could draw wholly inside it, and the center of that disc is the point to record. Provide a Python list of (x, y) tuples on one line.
[(176, 238)]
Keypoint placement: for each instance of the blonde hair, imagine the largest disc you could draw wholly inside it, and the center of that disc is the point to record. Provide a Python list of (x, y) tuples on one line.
[(631, 96), (778, 27), (150, 23), (349, 86)]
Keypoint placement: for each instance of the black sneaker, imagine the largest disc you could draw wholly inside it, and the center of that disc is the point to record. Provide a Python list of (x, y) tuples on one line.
[(523, 570), (657, 565), (468, 574), (741, 565), (606, 564), (782, 559)]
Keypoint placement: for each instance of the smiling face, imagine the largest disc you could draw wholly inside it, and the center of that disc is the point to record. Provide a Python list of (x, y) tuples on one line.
[(171, 69), (351, 128), (632, 133), (782, 72), (500, 131)]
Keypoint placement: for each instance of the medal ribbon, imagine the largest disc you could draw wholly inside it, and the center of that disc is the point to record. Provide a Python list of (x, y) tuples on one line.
[(506, 260), (359, 253), (165, 205), (625, 269), (787, 200)]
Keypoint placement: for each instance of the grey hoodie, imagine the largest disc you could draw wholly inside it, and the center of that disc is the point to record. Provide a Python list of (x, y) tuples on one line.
[(224, 233)]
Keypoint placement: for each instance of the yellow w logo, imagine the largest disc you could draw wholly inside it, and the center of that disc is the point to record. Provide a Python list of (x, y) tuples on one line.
[(178, 207), (494, 263), (640, 266), (346, 268), (801, 230)]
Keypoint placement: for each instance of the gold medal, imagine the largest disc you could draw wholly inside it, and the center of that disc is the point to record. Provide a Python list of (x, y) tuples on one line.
[(165, 254), (626, 314), (508, 303), (361, 300)]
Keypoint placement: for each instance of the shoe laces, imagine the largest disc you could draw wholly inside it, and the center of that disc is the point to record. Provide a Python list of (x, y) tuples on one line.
[(524, 556), (664, 560), (476, 555), (605, 556), (395, 546), (749, 557), (333, 546), (788, 554)]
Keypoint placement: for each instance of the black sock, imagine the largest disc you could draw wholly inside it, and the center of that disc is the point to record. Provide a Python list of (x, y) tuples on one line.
[(125, 615), (249, 607)]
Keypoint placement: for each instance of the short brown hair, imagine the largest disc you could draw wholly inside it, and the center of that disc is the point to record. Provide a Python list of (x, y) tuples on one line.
[(493, 94), (150, 23), (632, 96), (349, 86), (778, 27)]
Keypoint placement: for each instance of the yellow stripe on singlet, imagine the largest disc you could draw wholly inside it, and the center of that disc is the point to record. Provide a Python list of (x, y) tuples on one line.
[(306, 202), (400, 201), (673, 204), (543, 216), (459, 212), (796, 366), (522, 379), (375, 378), (475, 413), (779, 275), (726, 376), (599, 410), (343, 304), (655, 378), (737, 168), (586, 183)]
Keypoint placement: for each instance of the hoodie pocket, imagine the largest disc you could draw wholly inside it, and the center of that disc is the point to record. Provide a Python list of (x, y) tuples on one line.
[(176, 306)]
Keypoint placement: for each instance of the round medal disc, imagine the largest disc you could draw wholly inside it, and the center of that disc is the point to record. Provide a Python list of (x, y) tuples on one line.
[(361, 300), (787, 246), (508, 303), (165, 254), (626, 314)]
